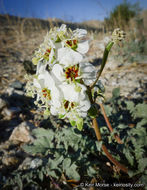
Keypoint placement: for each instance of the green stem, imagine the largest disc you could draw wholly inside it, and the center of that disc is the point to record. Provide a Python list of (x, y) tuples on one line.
[(104, 60)]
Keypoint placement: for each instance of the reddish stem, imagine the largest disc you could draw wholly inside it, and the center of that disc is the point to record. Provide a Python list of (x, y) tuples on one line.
[(104, 148), (109, 125)]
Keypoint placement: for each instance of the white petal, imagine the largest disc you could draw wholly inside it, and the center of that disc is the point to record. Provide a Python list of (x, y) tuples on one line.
[(69, 93), (79, 33), (68, 57), (54, 110), (83, 47), (88, 73), (36, 83), (40, 68), (48, 80), (57, 72), (85, 105), (62, 28)]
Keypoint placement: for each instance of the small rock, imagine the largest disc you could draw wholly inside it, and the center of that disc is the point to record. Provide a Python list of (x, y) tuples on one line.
[(11, 112), (25, 164), (2, 104), (35, 163), (29, 163), (19, 92), (9, 160), (10, 91), (21, 134), (17, 85)]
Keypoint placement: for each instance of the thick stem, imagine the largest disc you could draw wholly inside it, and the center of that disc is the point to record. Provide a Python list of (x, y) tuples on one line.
[(109, 125), (104, 148)]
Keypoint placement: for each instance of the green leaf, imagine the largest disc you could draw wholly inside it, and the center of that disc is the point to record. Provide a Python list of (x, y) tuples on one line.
[(41, 176), (52, 173), (99, 145), (122, 126), (130, 105), (53, 164), (91, 171), (72, 173), (140, 111), (66, 163), (131, 173), (41, 132), (79, 123), (129, 156), (19, 182), (142, 164), (108, 110), (116, 92)]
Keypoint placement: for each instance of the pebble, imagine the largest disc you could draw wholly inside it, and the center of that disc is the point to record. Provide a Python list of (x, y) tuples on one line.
[(17, 85), (22, 133), (2, 103), (10, 91), (11, 112), (9, 160)]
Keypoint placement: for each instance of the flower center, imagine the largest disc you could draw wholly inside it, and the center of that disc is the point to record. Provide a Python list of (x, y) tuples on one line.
[(68, 105), (72, 72), (72, 43), (46, 93), (47, 53)]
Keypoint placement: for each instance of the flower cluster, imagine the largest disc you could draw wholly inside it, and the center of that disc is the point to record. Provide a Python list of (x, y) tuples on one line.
[(61, 79), (118, 35)]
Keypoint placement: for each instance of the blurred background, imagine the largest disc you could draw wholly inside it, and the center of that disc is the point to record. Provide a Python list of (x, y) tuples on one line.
[(23, 25)]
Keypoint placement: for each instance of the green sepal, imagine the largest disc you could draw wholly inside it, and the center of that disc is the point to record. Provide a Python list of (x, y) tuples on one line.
[(79, 124), (58, 39), (73, 123), (35, 60), (47, 112), (61, 116), (74, 47), (77, 88)]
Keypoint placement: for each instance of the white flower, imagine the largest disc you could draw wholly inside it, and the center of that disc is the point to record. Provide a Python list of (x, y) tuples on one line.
[(74, 103), (61, 79), (58, 34), (76, 41), (77, 45), (46, 53), (47, 90), (84, 71)]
